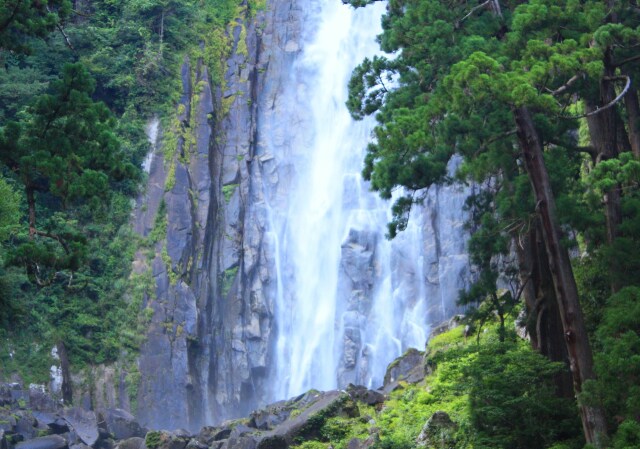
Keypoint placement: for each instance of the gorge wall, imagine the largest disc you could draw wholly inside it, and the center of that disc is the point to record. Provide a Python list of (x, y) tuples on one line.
[(271, 273)]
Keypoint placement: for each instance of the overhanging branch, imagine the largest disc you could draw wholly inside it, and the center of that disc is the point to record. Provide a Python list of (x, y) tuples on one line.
[(608, 105)]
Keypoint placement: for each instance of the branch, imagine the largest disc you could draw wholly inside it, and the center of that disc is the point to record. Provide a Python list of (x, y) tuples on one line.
[(521, 289), (66, 38), (566, 85), (625, 61), (54, 237), (474, 10), (494, 139), (608, 105), (10, 19), (81, 14), (581, 149)]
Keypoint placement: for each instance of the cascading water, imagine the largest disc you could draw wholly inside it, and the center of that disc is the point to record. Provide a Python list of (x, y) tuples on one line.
[(347, 300)]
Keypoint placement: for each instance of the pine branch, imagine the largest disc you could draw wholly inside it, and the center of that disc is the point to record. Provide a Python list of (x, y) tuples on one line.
[(608, 105)]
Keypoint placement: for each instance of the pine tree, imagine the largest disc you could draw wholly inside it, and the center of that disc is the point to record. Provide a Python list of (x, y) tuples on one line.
[(63, 151)]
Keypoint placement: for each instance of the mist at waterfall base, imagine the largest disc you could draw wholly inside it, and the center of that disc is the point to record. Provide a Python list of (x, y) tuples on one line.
[(348, 301)]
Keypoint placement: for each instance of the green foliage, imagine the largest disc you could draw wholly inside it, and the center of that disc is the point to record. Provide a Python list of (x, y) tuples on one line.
[(227, 280), (153, 439), (508, 380), (618, 359), (72, 133), (499, 394), (9, 209), (227, 191), (65, 149), (20, 19)]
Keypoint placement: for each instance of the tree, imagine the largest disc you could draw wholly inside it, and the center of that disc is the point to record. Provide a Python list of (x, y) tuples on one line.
[(63, 151), (466, 77), (20, 19)]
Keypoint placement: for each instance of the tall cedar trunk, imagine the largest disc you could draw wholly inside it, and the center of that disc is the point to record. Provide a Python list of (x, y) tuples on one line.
[(544, 324), (633, 114), (575, 334), (31, 204), (607, 139)]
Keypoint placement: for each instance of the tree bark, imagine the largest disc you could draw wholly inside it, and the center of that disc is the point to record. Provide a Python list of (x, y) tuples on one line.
[(606, 138), (31, 204), (543, 324), (575, 334), (633, 113)]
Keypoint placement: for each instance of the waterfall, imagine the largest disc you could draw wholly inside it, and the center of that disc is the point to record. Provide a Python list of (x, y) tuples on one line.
[(347, 300)]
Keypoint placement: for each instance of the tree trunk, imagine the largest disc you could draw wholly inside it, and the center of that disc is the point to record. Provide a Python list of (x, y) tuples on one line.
[(31, 204), (543, 324), (633, 113), (608, 137), (575, 334)]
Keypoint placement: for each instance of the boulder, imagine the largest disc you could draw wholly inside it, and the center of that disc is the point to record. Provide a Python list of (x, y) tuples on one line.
[(39, 399), (7, 421), (131, 443), (308, 422), (271, 416), (364, 395), (357, 443), (409, 367), (5, 394), (53, 421), (79, 446), (25, 424), (48, 442), (192, 444), (120, 424), (438, 432), (83, 423), (165, 440), (3, 441)]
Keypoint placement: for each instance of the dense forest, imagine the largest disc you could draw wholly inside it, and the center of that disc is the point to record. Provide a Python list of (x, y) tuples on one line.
[(78, 82), (539, 98)]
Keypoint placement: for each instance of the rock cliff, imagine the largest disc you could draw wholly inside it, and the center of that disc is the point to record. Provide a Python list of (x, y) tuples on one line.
[(216, 175)]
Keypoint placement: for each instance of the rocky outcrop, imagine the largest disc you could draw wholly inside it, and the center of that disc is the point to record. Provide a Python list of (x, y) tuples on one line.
[(281, 425), (46, 424), (409, 368), (438, 432)]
